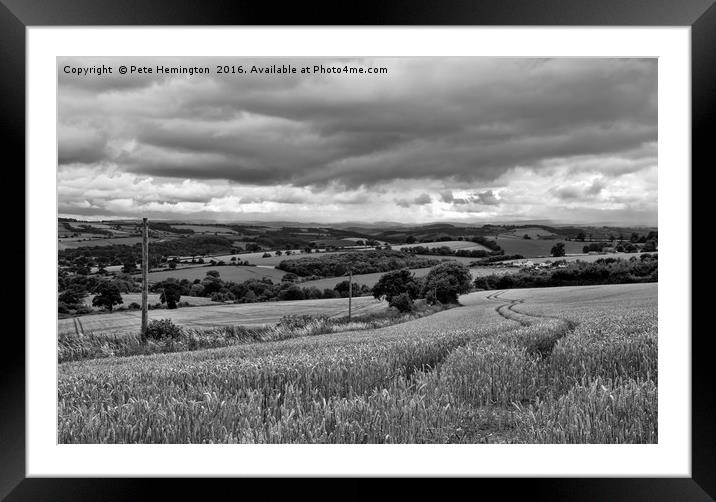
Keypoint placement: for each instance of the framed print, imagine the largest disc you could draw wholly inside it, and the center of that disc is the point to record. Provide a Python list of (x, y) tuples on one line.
[(421, 241)]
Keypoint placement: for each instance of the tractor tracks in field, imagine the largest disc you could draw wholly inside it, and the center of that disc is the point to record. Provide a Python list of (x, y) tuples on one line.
[(507, 310)]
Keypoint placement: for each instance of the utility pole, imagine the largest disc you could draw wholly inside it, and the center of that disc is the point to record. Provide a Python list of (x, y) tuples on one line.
[(350, 293), (145, 271)]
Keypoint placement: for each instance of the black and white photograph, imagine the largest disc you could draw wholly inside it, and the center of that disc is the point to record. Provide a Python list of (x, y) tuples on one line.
[(350, 250)]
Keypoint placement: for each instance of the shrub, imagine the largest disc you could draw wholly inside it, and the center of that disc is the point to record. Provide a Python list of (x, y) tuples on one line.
[(402, 302), (222, 296), (162, 329), (296, 321), (134, 306)]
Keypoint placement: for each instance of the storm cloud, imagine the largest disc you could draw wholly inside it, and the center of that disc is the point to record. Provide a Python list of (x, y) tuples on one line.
[(462, 126)]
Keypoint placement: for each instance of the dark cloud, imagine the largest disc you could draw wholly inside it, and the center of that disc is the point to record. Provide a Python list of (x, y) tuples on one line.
[(487, 198), (468, 119), (447, 196)]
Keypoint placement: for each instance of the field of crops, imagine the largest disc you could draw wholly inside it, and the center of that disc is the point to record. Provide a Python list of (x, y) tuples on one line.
[(213, 315), (530, 248), (153, 298), (467, 245), (559, 365), (227, 273), (370, 280), (588, 258), (205, 229), (92, 240)]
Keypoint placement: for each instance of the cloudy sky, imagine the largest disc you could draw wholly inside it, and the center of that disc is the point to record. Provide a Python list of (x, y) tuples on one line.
[(435, 139)]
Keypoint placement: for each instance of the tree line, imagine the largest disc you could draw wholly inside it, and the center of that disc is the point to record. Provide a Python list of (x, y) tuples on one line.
[(360, 262), (578, 273)]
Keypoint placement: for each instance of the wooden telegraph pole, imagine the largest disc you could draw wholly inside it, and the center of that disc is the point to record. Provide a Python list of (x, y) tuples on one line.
[(350, 293), (145, 271)]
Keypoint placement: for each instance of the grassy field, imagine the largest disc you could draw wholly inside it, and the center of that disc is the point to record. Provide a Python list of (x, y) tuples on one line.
[(371, 279), (213, 315), (152, 298), (530, 248), (227, 273), (559, 365), (206, 229), (533, 232), (467, 245), (93, 241), (589, 258)]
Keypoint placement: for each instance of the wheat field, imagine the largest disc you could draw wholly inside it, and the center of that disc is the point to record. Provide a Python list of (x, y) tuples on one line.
[(549, 365)]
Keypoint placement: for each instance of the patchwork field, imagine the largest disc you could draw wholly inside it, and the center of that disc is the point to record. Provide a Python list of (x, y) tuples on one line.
[(213, 314), (550, 365)]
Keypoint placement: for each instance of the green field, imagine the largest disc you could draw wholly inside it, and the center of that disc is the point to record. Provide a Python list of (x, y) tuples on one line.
[(206, 229), (227, 272), (213, 315), (370, 280), (548, 365), (530, 248), (466, 245), (152, 298), (589, 258), (92, 240)]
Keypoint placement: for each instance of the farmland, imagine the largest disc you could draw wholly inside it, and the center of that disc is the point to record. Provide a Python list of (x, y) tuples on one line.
[(206, 229), (212, 315), (530, 248), (454, 245), (371, 279), (93, 240), (550, 365), (228, 273), (153, 298), (588, 258)]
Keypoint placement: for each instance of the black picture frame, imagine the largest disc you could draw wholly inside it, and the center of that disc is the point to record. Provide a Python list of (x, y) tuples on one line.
[(700, 15)]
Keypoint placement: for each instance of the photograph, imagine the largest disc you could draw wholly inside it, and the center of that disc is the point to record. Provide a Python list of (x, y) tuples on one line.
[(352, 250)]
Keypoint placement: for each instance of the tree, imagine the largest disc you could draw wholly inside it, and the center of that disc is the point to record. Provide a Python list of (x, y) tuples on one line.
[(213, 273), (581, 236), (649, 246), (410, 239), (447, 281), (293, 292), (395, 283), (330, 293), (172, 265), (289, 277), (526, 236), (342, 289), (558, 249), (129, 266), (72, 296), (107, 296), (171, 293)]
